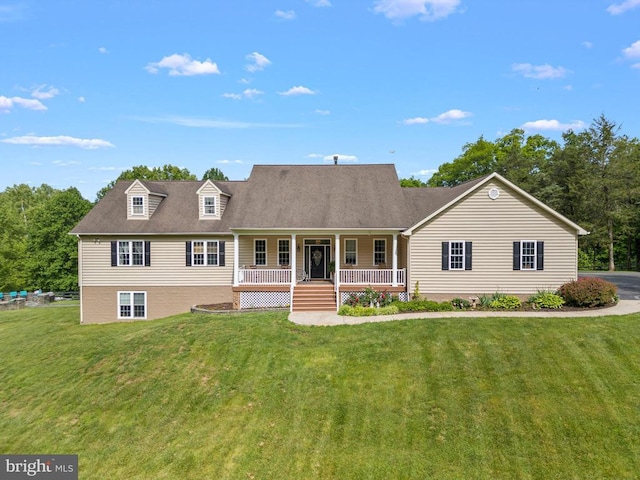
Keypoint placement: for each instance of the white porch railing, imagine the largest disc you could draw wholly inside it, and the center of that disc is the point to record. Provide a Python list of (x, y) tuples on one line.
[(374, 276), (264, 276)]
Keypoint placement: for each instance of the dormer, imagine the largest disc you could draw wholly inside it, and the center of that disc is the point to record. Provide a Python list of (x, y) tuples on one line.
[(142, 200), (211, 201)]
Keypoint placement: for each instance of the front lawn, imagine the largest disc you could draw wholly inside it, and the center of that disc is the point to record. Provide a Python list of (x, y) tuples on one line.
[(253, 396)]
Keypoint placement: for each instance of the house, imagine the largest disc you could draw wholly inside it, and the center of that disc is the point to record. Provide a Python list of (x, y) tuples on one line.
[(306, 236)]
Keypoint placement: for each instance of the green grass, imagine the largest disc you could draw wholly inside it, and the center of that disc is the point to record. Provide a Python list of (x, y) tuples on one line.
[(254, 396)]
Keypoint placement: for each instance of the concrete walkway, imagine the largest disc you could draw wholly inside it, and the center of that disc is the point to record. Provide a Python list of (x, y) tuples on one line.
[(623, 307)]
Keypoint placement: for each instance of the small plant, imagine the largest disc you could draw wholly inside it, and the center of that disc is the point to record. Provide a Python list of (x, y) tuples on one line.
[(546, 299), (484, 300), (416, 291), (506, 302), (589, 292), (461, 303)]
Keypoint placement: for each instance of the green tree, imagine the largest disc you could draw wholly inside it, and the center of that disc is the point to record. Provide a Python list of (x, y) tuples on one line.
[(214, 174), (142, 172), (53, 253), (477, 159), (412, 182)]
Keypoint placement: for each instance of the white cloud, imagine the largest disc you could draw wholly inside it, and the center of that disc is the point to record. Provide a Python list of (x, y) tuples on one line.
[(258, 62), (285, 14), (415, 121), (41, 94), (183, 65), (81, 99), (7, 104), (248, 93), (103, 50), (315, 155), (319, 3), (341, 158), (12, 13), (322, 112), (633, 51), (61, 163), (107, 169), (446, 117), (299, 90), (539, 72), (227, 162), (86, 143), (586, 44), (553, 125), (428, 10), (618, 8), (424, 173)]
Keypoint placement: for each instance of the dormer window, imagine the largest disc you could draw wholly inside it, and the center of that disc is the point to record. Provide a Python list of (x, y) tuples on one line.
[(209, 206), (137, 205)]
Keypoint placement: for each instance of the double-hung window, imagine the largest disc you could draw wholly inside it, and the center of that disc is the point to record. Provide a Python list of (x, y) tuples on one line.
[(125, 253), (283, 251), (205, 253), (137, 205), (351, 251), (528, 255), (260, 252), (132, 304), (209, 206), (379, 251), (456, 255)]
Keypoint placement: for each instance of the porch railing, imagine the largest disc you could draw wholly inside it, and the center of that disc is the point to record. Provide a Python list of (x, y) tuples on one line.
[(374, 276), (265, 276)]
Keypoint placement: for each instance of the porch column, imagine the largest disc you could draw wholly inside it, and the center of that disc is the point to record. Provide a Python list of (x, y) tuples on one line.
[(394, 256), (336, 262), (236, 259), (292, 254)]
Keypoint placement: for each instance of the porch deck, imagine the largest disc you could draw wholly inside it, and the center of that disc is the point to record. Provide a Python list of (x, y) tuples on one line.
[(351, 276)]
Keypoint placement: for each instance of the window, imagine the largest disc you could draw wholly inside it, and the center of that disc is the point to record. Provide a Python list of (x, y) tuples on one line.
[(205, 253), (456, 255), (283, 251), (126, 253), (137, 205), (528, 255), (351, 251), (260, 252), (209, 205), (379, 251), (132, 304)]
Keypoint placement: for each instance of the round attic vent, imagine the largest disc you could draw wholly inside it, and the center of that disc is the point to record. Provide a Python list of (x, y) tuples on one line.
[(494, 193)]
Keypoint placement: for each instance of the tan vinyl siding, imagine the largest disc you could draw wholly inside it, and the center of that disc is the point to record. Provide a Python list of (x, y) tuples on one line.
[(100, 304), (154, 201), (209, 190), (492, 226), (168, 265), (138, 190), (223, 203)]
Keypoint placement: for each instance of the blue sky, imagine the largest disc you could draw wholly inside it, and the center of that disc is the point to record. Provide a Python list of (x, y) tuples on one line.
[(91, 88)]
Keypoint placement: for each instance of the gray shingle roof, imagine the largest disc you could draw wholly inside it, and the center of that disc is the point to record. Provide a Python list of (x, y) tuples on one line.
[(279, 197)]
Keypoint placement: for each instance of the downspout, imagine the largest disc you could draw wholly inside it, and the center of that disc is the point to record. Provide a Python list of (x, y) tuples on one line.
[(294, 269), (336, 271)]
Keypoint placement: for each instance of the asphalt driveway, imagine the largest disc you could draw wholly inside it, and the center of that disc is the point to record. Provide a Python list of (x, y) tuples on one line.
[(628, 283)]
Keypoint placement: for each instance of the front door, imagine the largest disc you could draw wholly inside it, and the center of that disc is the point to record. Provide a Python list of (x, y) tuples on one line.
[(318, 261)]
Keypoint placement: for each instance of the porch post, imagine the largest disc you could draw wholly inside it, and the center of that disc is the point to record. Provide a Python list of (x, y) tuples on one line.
[(294, 269), (236, 259), (336, 261), (394, 280)]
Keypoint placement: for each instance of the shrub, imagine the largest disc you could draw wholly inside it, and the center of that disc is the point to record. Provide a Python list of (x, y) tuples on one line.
[(484, 300), (368, 298), (360, 311), (545, 299), (423, 306), (461, 303), (588, 292), (507, 302)]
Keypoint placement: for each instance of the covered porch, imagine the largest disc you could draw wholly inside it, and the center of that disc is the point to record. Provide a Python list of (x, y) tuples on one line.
[(350, 261)]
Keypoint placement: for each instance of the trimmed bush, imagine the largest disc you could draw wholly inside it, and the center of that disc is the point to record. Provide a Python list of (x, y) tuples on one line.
[(546, 300), (423, 306), (589, 292), (360, 311), (461, 303), (506, 302)]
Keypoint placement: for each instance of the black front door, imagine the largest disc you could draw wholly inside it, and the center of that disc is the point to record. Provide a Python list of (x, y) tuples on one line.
[(318, 261)]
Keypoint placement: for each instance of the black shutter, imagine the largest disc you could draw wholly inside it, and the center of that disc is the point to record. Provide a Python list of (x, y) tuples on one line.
[(147, 253), (445, 255), (467, 255), (540, 255), (516, 255), (188, 254), (221, 254), (114, 254)]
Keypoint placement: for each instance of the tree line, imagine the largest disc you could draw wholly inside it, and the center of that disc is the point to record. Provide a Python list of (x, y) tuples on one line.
[(591, 177)]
